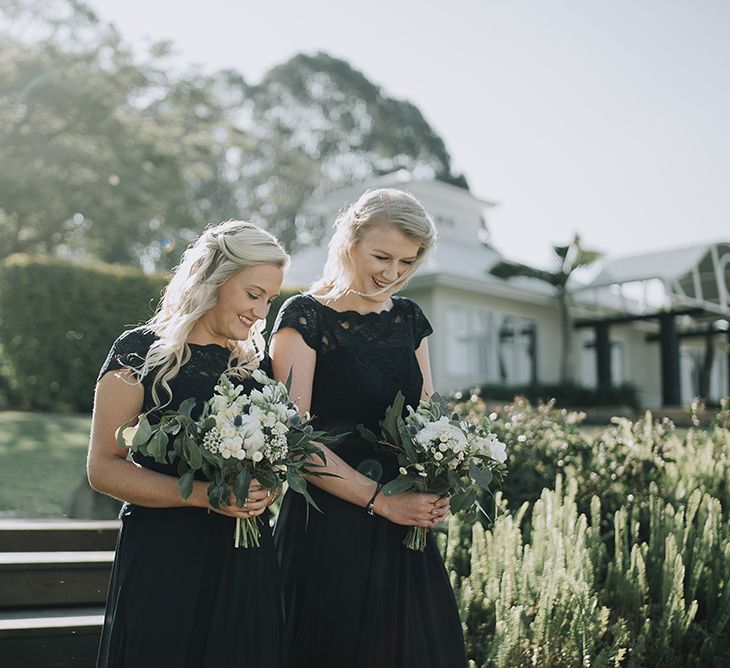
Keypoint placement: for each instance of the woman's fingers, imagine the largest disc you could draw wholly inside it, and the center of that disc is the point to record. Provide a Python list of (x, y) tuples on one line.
[(255, 496)]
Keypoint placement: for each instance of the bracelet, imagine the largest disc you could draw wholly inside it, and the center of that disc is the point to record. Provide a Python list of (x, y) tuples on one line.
[(371, 504)]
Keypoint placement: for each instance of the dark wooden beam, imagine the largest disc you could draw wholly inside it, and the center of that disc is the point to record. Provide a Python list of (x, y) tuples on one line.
[(695, 333), (615, 320)]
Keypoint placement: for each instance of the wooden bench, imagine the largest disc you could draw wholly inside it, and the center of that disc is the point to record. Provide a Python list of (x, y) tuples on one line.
[(54, 576)]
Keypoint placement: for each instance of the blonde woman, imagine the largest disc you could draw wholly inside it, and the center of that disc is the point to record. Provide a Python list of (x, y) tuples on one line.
[(354, 595), (180, 594)]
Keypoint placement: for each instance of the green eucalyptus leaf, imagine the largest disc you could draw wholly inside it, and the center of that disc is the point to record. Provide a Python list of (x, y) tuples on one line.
[(399, 484), (243, 482), (187, 406), (143, 433), (458, 502), (157, 446), (482, 476), (192, 452), (390, 422), (185, 484), (367, 434), (296, 481)]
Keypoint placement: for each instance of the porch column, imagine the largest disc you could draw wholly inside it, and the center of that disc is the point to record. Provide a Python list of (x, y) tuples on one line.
[(603, 357), (669, 352)]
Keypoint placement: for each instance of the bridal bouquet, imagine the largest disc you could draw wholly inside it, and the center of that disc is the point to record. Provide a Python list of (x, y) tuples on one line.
[(438, 452), (237, 437)]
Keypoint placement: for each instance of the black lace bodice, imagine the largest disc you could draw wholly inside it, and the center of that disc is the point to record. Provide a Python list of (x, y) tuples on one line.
[(362, 359), (196, 379)]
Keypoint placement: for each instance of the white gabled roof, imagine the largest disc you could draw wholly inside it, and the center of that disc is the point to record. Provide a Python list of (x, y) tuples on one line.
[(693, 276), (402, 179), (665, 265)]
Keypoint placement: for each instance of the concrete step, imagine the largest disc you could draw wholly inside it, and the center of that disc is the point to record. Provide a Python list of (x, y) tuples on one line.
[(50, 638), (44, 579), (34, 535)]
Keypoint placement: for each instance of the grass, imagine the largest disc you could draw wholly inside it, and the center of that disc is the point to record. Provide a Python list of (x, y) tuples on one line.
[(42, 459)]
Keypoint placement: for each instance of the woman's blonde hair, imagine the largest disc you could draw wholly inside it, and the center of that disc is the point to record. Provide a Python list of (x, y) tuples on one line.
[(219, 253), (379, 207)]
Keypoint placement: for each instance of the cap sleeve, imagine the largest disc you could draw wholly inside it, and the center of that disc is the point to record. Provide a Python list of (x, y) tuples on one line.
[(300, 313), (421, 326), (129, 350)]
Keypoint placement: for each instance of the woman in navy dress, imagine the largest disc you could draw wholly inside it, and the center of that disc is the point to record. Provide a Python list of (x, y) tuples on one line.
[(180, 594), (355, 596)]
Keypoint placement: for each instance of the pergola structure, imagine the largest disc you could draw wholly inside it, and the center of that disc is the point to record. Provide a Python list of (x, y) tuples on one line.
[(695, 282)]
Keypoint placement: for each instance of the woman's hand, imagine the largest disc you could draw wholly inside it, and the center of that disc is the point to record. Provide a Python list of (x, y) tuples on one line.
[(412, 508), (257, 501)]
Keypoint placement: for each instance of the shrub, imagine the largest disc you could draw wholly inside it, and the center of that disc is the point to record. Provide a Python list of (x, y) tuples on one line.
[(58, 320), (568, 395), (624, 559)]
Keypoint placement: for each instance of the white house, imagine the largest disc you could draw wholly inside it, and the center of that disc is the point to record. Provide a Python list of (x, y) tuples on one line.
[(489, 330)]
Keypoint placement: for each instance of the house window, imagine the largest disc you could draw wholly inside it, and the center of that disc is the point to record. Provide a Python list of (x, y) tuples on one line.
[(490, 347)]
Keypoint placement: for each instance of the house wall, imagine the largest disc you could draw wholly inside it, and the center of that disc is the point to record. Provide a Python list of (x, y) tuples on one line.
[(435, 302), (636, 360)]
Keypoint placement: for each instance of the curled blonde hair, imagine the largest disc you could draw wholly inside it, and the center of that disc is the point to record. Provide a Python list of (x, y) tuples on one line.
[(219, 253), (378, 207)]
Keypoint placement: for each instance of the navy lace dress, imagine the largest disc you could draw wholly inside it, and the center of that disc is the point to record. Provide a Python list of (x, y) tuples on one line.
[(180, 594), (355, 597)]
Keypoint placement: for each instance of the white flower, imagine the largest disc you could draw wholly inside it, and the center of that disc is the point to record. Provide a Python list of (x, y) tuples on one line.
[(260, 377), (269, 419), (402, 470), (254, 441), (257, 456), (438, 456), (498, 451)]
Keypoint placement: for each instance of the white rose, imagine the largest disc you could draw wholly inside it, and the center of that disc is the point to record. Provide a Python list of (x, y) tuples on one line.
[(498, 451), (257, 456), (254, 442)]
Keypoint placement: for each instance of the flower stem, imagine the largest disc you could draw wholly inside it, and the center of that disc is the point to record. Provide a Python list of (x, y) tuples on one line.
[(416, 538), (246, 533)]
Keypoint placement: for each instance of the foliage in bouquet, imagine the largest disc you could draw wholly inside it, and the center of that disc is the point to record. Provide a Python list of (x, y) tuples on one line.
[(441, 453), (237, 437)]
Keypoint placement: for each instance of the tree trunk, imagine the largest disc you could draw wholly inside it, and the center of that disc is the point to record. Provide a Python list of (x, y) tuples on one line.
[(566, 335)]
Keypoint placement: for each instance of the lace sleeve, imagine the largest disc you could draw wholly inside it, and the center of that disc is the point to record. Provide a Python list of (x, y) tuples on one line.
[(421, 326), (129, 350), (300, 313)]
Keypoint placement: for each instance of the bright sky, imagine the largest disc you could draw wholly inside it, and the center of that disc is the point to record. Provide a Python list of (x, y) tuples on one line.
[(606, 117)]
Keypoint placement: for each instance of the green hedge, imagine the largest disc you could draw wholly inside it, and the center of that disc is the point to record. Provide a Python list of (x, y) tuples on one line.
[(565, 394), (57, 321)]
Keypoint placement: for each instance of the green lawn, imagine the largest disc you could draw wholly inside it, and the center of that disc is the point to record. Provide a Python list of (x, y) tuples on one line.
[(42, 459)]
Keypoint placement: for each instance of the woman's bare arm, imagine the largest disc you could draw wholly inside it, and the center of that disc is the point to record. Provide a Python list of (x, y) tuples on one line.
[(118, 399), (291, 355)]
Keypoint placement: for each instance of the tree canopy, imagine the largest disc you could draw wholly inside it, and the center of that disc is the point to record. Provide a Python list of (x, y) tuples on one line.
[(120, 156)]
